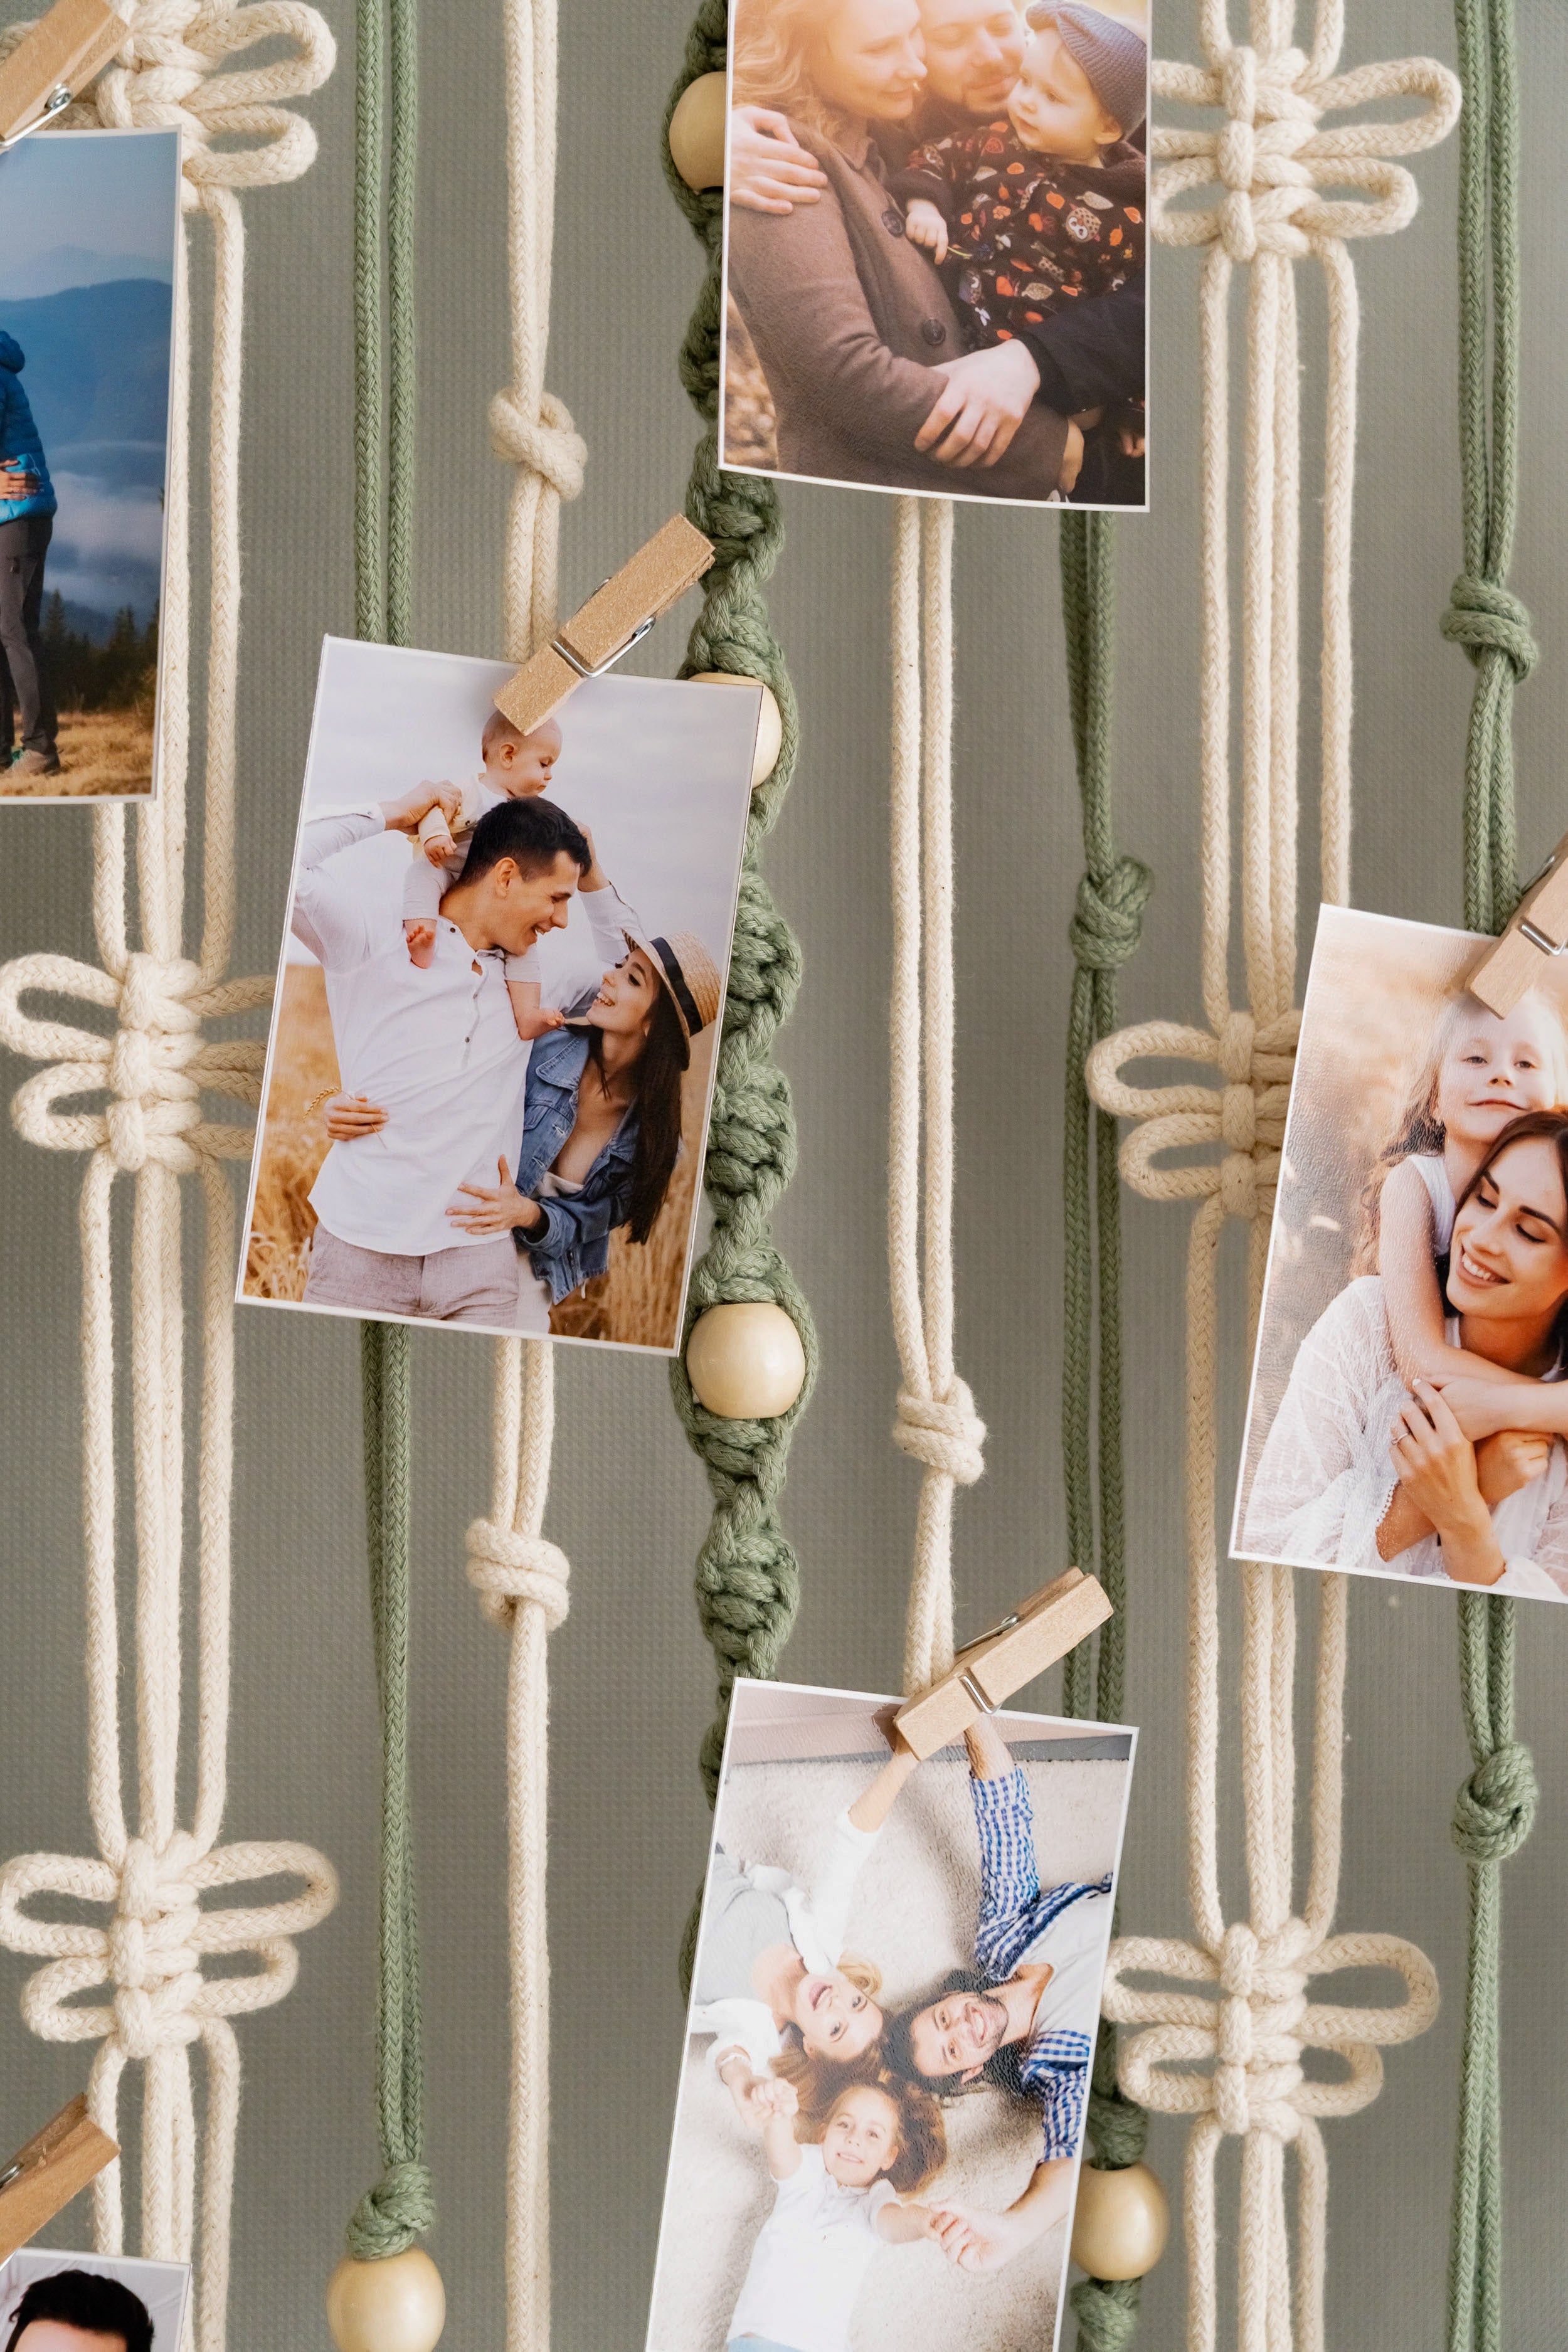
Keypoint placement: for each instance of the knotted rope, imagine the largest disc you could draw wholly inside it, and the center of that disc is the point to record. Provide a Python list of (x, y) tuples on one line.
[(747, 1578), (154, 1066), (1494, 1810), (1271, 159)]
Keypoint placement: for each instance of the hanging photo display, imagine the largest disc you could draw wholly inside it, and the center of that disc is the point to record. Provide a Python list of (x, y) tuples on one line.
[(89, 248), (936, 232), (894, 2003), (1409, 1408), (54, 2302), (492, 1052)]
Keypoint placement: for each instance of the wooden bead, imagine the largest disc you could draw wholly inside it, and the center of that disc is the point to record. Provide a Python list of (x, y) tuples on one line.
[(1121, 2222), (746, 1361), (697, 131), (397, 2305), (770, 725)]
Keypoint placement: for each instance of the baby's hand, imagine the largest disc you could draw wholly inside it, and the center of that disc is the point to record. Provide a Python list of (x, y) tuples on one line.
[(438, 847), (420, 933), (923, 224), (539, 1022)]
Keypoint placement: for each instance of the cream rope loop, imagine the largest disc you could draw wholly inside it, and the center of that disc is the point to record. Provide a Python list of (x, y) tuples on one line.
[(1246, 1116), (548, 445), (152, 1949), (509, 1570), (944, 1433)]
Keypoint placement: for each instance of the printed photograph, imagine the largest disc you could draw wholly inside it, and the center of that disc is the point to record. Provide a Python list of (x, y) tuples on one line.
[(51, 2301), (503, 970), (1409, 1412), (894, 2001), (87, 291), (936, 224)]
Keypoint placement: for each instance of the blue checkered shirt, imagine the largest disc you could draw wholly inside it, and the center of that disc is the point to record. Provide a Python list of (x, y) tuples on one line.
[(1015, 1921)]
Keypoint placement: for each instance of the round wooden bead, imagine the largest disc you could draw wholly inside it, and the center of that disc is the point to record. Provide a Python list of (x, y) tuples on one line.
[(697, 131), (770, 725), (397, 2305), (1120, 2223), (746, 1361)]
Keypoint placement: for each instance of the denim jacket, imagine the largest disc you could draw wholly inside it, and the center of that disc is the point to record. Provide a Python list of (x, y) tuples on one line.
[(572, 1242)]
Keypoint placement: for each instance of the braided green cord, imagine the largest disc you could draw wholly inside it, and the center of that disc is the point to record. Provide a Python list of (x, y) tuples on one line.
[(400, 2207), (1104, 933), (1494, 1810), (747, 1577)]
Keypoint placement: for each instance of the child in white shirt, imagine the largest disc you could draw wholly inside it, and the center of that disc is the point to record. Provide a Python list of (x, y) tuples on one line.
[(515, 768)]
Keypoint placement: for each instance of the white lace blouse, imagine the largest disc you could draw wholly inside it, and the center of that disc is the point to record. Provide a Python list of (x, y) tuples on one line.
[(1326, 1478)]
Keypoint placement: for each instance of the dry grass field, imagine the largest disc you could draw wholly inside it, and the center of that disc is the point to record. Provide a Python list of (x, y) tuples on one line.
[(636, 1301), (750, 429), (101, 753)]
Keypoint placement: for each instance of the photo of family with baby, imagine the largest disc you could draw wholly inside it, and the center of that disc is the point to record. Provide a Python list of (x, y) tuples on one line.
[(489, 1080), (1409, 1411), (936, 228), (894, 2000)]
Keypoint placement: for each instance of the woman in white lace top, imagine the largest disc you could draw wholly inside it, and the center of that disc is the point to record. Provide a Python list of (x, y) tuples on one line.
[(1360, 1471)]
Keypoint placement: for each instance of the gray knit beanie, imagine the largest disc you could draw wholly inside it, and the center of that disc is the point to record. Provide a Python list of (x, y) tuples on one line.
[(1114, 59)]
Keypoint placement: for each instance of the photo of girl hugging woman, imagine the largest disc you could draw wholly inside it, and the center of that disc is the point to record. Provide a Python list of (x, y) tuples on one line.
[(844, 2157)]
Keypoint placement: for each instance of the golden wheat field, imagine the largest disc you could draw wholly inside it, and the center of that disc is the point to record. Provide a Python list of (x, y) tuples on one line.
[(636, 1301), (102, 751)]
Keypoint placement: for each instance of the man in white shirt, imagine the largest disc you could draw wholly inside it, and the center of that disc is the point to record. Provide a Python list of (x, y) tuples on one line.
[(435, 1048)]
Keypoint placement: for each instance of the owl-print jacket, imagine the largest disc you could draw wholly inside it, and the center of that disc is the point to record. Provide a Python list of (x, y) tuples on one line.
[(1027, 232)]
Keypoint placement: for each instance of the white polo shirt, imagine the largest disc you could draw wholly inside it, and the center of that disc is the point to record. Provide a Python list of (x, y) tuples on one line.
[(437, 1048), (810, 2260)]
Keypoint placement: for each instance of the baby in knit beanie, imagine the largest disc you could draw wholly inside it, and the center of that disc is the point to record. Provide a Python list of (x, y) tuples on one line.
[(1046, 206)]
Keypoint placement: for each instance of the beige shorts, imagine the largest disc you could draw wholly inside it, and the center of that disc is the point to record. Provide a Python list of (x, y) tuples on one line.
[(449, 1286)]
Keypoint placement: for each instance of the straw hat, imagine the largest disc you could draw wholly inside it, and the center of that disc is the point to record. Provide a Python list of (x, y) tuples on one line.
[(689, 972)]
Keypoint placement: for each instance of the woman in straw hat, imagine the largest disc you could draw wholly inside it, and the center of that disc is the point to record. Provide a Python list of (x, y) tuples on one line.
[(601, 1130)]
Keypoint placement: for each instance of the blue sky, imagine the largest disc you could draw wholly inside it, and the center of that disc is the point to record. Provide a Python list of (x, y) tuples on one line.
[(108, 191)]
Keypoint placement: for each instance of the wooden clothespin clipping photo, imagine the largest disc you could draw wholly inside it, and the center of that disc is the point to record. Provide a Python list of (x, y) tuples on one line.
[(616, 617), (58, 57), (987, 1670), (41, 2179), (1509, 966)]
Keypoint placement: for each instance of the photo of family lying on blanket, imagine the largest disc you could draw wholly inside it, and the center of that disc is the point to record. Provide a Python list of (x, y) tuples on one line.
[(1409, 1411), (489, 1080), (894, 2001), (936, 223)]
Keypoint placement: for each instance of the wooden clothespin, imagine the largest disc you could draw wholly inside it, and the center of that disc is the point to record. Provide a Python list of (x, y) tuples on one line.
[(616, 617), (61, 56), (1508, 967), (989, 1670), (42, 2177)]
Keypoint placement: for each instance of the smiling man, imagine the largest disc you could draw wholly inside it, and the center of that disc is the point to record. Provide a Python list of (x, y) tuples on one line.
[(1025, 2018), (79, 2310)]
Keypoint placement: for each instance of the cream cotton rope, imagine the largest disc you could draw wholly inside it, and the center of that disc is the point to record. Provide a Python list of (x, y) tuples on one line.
[(937, 1424), (521, 1577), (155, 1066), (1230, 2058)]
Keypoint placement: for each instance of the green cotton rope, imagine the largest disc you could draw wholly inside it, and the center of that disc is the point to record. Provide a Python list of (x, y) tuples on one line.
[(1104, 933), (747, 1580), (1494, 1810), (401, 2207)]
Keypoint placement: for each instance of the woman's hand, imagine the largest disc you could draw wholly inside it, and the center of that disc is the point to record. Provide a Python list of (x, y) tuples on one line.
[(1436, 1467), (351, 1116), (770, 170), (765, 2096), (16, 482), (980, 405), (1510, 1460), (1483, 1408), (502, 1207), (403, 815)]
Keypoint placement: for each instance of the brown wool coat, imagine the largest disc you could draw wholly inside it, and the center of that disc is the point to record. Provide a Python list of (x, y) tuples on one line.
[(850, 321)]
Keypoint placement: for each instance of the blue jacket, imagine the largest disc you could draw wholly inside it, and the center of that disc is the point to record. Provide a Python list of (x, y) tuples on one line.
[(19, 436), (574, 1241)]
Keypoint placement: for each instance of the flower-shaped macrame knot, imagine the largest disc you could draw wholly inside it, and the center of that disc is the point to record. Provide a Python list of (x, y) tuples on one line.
[(944, 1433), (1485, 617), (1246, 1117), (1107, 920), (548, 445), (1494, 1811), (509, 1570), (1269, 119)]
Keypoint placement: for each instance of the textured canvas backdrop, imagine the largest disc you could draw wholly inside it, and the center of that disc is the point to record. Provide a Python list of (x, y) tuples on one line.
[(632, 1677)]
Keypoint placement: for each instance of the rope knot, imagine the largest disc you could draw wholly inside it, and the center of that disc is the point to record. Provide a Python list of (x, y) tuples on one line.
[(1494, 1811), (508, 1570), (389, 2217), (1486, 617), (944, 1433), (547, 444), (1107, 920), (150, 1950)]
